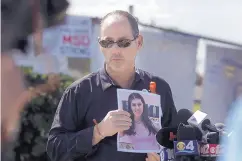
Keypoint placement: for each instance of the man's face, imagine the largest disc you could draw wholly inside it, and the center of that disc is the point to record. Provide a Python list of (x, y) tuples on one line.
[(117, 28)]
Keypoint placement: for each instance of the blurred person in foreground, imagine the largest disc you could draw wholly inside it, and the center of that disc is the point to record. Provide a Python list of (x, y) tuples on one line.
[(73, 135), (19, 19), (232, 142)]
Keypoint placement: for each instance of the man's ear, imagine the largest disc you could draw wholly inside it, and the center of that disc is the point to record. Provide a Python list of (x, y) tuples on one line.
[(140, 41)]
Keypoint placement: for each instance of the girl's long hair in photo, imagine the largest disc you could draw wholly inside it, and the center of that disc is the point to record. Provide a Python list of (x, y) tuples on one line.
[(144, 117)]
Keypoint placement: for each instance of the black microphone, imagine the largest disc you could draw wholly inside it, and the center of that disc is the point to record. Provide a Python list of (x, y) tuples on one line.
[(182, 116), (166, 135), (187, 132), (213, 138), (186, 147), (207, 126), (211, 149)]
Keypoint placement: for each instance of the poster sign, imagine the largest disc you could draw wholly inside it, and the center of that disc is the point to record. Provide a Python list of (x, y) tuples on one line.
[(145, 113), (72, 39)]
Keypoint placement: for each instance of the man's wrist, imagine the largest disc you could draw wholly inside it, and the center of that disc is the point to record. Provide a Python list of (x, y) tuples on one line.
[(99, 132), (96, 136)]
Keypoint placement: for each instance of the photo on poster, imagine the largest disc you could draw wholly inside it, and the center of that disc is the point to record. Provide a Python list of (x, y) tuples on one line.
[(145, 110)]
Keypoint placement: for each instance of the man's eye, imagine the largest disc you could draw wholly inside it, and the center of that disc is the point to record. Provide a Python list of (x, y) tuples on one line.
[(123, 41), (108, 41)]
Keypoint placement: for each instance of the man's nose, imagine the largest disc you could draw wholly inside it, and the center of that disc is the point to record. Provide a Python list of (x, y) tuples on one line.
[(115, 49), (115, 46)]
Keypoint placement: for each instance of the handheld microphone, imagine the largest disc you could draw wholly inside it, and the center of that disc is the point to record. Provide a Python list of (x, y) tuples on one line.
[(211, 149), (187, 147), (166, 135), (200, 120), (182, 116), (187, 143), (212, 138), (207, 126), (220, 126)]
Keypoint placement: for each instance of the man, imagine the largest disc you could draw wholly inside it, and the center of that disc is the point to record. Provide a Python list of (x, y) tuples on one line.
[(233, 141), (73, 135)]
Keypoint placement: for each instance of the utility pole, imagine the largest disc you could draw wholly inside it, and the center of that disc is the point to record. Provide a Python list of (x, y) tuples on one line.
[(131, 9)]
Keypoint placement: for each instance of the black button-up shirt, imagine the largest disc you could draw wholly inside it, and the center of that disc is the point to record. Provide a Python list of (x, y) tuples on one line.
[(92, 97)]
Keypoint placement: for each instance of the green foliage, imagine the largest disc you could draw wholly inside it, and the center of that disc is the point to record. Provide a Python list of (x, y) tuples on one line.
[(37, 118)]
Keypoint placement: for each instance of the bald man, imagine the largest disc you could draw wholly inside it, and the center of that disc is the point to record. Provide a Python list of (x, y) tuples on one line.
[(73, 135)]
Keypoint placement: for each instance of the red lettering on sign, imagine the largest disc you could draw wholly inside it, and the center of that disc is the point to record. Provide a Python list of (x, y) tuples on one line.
[(76, 40), (66, 39), (210, 150)]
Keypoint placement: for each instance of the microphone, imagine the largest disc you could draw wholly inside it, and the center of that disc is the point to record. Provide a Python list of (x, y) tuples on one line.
[(211, 149), (222, 130), (182, 116), (166, 135), (213, 138), (187, 147), (187, 144), (200, 120), (207, 126), (220, 126)]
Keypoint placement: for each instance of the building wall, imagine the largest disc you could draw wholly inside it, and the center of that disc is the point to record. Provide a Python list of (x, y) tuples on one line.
[(222, 81)]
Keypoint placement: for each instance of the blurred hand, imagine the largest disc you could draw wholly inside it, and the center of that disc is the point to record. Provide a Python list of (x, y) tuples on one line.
[(15, 95), (54, 81), (152, 157), (114, 122), (12, 95)]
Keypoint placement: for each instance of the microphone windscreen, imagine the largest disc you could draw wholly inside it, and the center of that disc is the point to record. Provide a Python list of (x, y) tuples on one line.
[(182, 116), (213, 138), (187, 132), (220, 126), (206, 125), (163, 137)]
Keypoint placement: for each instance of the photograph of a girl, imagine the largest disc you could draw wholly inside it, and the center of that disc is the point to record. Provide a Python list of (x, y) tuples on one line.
[(141, 135)]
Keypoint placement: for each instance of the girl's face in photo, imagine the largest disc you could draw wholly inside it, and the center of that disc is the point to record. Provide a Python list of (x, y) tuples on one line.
[(137, 107)]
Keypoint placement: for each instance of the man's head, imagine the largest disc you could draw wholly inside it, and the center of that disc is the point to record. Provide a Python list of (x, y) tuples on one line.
[(122, 28)]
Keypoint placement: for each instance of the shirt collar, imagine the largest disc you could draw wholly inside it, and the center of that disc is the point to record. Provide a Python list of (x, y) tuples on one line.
[(106, 80)]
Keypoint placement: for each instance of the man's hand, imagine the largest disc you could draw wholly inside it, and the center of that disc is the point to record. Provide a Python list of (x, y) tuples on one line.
[(152, 157), (114, 122)]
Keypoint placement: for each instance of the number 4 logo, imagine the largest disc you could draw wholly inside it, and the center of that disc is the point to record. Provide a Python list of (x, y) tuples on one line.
[(190, 146)]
